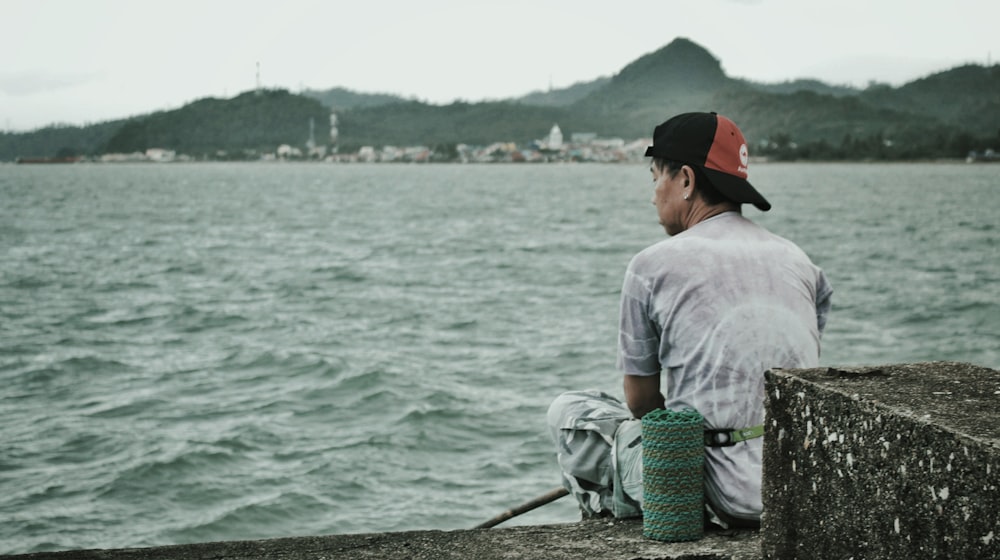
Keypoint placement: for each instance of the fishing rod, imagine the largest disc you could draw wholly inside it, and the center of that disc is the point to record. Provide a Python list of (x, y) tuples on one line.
[(546, 498)]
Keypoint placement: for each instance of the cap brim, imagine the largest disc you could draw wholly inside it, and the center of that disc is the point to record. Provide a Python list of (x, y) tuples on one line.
[(653, 151), (736, 189)]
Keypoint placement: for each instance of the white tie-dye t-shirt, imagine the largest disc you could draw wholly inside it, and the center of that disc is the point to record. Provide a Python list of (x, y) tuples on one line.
[(711, 309)]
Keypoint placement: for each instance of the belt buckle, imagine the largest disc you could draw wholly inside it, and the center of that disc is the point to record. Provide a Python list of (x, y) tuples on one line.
[(719, 438)]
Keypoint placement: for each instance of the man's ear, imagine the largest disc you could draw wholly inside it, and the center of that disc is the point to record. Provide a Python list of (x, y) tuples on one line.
[(688, 175)]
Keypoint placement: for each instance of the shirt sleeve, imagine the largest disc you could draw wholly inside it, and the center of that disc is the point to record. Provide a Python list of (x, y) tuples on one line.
[(824, 295), (638, 333)]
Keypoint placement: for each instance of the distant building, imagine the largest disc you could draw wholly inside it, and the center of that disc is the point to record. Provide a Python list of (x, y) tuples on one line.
[(120, 158), (555, 141), (608, 143), (334, 132), (317, 152), (161, 155), (390, 153), (287, 152)]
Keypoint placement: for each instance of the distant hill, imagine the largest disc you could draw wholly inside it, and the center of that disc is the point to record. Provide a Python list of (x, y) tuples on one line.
[(415, 123), (341, 99), (681, 76), (254, 122), (563, 97), (619, 106), (967, 97), (942, 115), (57, 140), (804, 84)]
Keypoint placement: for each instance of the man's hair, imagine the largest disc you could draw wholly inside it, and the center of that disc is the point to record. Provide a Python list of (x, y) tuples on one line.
[(708, 191)]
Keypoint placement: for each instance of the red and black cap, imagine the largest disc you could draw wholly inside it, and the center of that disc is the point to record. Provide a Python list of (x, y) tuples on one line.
[(713, 143)]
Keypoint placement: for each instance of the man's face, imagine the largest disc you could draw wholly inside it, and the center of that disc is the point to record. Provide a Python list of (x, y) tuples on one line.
[(668, 197)]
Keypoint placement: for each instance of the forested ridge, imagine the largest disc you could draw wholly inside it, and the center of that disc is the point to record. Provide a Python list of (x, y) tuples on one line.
[(943, 115)]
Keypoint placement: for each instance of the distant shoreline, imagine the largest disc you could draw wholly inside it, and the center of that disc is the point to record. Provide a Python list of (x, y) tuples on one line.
[(762, 161)]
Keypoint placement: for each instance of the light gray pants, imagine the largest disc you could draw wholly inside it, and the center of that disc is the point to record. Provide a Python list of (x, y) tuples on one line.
[(599, 449)]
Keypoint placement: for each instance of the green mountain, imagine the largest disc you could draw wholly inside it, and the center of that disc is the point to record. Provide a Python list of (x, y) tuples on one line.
[(341, 99), (942, 115), (679, 77), (251, 123), (415, 123), (57, 140), (804, 84), (795, 119), (619, 106), (562, 97), (967, 97)]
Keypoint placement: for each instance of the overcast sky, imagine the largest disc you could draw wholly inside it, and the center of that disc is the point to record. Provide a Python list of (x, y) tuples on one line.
[(80, 62)]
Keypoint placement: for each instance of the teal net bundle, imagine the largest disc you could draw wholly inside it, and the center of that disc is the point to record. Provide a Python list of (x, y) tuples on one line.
[(673, 458)]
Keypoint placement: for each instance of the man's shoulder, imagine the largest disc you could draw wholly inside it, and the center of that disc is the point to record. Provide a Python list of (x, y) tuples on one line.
[(731, 227), (725, 237), (668, 254)]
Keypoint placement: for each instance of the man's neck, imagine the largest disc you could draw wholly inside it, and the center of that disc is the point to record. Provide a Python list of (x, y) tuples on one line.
[(701, 211)]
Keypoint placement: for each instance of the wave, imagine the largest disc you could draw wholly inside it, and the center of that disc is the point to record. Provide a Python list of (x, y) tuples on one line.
[(66, 371), (261, 514), (338, 274), (165, 473), (192, 320), (30, 282), (131, 409), (285, 362)]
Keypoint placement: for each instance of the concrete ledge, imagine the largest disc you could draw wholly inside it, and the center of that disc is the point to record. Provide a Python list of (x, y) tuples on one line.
[(598, 538), (887, 462)]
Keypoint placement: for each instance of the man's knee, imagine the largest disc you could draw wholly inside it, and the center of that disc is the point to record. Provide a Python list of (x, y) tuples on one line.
[(559, 409)]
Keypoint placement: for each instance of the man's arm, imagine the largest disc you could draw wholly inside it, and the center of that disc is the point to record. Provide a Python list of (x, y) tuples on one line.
[(823, 296), (642, 394)]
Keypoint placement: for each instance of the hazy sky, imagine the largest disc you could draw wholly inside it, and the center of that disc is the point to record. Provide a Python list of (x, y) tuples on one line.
[(86, 61)]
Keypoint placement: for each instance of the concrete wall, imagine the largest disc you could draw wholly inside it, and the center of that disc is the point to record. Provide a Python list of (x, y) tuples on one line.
[(896, 461)]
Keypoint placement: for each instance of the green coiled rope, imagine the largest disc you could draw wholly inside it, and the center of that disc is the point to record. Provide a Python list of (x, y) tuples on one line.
[(673, 460)]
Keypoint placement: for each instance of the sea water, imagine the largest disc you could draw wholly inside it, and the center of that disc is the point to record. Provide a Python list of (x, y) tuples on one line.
[(203, 352)]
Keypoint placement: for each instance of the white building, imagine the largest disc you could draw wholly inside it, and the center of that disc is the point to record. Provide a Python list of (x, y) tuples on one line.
[(555, 138), (334, 131), (285, 152), (160, 155)]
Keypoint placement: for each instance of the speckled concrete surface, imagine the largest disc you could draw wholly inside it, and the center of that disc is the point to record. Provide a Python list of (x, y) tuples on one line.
[(896, 461), (598, 538)]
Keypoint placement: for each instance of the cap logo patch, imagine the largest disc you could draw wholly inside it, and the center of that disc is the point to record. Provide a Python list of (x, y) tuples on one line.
[(744, 158)]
